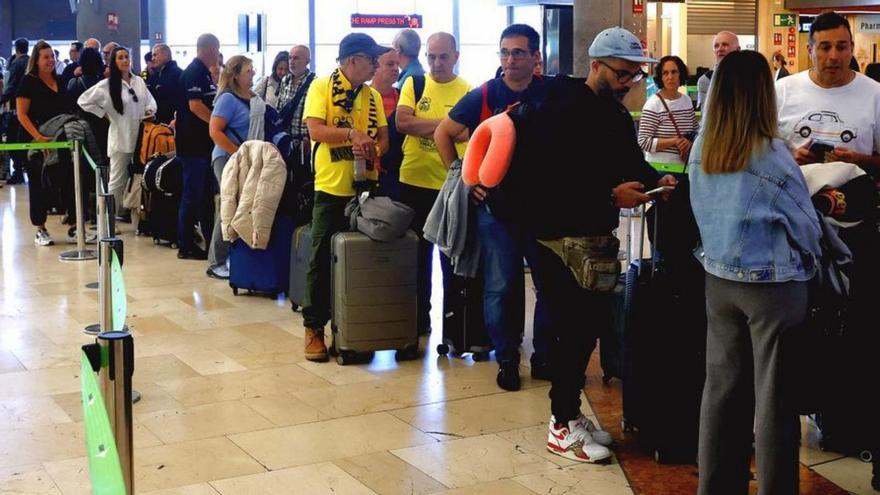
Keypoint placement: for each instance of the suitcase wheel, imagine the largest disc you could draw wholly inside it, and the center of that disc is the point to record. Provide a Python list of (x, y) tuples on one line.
[(234, 291), (481, 356), (442, 349), (294, 307), (407, 353), (866, 456), (346, 357), (659, 458)]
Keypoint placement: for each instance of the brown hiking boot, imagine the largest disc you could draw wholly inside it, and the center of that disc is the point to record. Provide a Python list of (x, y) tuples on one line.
[(315, 349)]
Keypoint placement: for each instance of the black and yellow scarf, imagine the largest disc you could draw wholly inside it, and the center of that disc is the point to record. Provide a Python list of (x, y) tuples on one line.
[(341, 113)]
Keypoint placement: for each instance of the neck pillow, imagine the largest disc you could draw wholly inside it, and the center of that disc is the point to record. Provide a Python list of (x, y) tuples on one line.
[(489, 152)]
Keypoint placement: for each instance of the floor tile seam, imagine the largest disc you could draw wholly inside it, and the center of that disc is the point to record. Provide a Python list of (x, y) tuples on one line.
[(392, 452), (335, 463), (54, 481), (272, 426), (829, 461)]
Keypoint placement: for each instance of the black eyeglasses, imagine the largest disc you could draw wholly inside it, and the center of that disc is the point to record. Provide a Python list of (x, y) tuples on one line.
[(624, 76), (133, 96)]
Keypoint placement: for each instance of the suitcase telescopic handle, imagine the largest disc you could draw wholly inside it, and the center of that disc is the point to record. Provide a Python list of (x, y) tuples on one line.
[(643, 233)]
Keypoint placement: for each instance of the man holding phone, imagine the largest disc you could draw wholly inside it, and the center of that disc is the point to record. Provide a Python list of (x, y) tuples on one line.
[(831, 113)]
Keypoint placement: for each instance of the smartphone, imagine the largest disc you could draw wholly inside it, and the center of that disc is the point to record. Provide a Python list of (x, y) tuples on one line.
[(659, 190), (819, 148)]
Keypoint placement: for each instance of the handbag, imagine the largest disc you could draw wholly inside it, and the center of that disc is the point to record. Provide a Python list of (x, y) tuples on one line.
[(675, 125), (592, 260), (379, 217)]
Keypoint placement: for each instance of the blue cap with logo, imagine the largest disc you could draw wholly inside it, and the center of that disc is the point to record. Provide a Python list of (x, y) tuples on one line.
[(617, 42), (355, 43)]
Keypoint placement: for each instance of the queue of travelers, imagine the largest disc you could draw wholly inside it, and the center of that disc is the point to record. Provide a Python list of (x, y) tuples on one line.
[(749, 165)]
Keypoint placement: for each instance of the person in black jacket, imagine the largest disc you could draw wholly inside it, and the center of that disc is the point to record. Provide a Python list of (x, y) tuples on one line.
[(17, 68), (577, 162), (164, 83)]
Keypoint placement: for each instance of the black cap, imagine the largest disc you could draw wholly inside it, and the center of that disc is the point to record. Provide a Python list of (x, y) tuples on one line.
[(355, 43)]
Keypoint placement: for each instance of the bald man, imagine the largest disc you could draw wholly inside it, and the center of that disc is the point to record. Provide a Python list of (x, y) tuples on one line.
[(422, 171), (164, 83), (292, 99), (92, 43), (722, 44)]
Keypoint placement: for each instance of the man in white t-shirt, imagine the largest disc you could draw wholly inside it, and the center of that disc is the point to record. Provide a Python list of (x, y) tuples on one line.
[(831, 113)]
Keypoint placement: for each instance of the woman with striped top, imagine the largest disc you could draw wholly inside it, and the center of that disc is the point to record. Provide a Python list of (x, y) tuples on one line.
[(668, 123)]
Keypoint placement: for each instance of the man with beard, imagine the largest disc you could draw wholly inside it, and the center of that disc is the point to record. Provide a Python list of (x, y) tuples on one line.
[(577, 162)]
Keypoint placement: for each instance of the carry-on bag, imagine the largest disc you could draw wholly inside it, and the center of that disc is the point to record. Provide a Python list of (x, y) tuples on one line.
[(373, 295), (664, 353), (300, 257), (264, 271), (464, 329)]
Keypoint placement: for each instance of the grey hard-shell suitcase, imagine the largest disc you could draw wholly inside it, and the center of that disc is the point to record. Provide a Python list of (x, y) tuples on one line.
[(374, 295), (300, 256)]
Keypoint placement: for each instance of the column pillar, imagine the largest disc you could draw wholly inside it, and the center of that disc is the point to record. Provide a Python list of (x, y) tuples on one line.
[(91, 22)]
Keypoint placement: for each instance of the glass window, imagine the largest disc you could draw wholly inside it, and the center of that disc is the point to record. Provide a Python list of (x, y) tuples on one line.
[(481, 23)]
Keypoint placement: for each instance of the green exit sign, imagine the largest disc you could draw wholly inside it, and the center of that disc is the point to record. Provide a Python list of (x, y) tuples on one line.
[(784, 20)]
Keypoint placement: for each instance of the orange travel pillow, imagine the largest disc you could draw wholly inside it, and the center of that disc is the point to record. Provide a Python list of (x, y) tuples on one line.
[(489, 152)]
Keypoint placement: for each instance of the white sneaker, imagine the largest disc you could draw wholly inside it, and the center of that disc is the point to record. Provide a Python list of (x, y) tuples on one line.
[(42, 238), (574, 442), (601, 437), (91, 237)]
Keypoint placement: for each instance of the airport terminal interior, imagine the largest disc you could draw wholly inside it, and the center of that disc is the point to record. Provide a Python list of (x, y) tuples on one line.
[(126, 367)]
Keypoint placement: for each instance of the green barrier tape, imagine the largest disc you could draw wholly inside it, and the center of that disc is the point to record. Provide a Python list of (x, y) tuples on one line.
[(692, 89), (674, 168), (105, 470), (88, 157), (636, 115), (55, 145), (120, 302)]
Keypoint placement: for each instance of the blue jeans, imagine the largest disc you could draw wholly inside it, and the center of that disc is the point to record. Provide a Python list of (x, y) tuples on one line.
[(503, 245), (197, 202)]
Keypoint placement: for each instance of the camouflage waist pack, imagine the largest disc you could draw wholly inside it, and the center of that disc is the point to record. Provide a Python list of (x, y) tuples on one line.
[(592, 260)]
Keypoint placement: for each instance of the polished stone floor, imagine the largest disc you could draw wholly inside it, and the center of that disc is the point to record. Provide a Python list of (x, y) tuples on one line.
[(230, 406)]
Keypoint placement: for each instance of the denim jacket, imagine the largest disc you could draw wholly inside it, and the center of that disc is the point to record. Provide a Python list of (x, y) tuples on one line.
[(757, 225)]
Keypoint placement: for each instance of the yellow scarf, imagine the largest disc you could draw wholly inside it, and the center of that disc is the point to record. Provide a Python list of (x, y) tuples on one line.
[(341, 112)]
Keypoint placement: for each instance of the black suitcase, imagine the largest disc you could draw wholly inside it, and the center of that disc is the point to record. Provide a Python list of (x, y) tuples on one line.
[(464, 329), (664, 361), (162, 215)]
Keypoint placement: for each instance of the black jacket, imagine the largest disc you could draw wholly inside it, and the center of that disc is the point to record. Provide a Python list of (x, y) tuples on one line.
[(572, 149), (16, 72), (165, 87)]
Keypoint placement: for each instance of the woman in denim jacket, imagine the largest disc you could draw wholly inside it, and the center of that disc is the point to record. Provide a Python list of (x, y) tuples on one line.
[(760, 247)]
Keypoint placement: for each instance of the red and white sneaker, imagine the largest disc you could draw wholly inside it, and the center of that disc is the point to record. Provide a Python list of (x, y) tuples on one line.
[(574, 442), (601, 437)]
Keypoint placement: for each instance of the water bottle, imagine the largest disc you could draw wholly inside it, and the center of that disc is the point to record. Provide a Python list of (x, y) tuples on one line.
[(360, 170)]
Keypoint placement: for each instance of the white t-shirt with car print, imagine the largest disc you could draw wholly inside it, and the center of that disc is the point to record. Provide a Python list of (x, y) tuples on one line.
[(848, 116)]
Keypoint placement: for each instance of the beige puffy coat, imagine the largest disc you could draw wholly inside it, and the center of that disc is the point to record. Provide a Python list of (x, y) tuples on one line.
[(251, 186)]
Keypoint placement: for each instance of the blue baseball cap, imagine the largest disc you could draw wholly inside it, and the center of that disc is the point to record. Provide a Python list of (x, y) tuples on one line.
[(360, 43), (617, 42)]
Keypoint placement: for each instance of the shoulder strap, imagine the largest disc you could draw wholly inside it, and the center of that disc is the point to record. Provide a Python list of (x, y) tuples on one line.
[(485, 111), (669, 112), (418, 87), (236, 134), (290, 108)]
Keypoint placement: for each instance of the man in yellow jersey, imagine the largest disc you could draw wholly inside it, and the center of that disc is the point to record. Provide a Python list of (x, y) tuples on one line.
[(346, 122), (422, 171)]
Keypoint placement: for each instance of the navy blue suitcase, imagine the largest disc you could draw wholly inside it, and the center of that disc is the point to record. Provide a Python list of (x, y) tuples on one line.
[(265, 271)]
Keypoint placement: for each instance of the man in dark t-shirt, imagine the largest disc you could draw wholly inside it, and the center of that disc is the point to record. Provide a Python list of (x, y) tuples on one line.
[(502, 243), (194, 146)]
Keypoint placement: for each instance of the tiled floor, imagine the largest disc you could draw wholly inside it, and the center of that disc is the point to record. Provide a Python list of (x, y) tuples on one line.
[(231, 407)]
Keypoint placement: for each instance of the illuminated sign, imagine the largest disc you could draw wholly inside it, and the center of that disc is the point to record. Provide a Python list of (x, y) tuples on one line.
[(386, 21)]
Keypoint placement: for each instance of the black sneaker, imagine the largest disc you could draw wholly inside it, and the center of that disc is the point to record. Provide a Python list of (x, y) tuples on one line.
[(541, 370), (508, 377), (193, 254)]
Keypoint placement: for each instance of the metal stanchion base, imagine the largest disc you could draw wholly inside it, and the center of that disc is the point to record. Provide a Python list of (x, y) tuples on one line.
[(83, 255), (93, 329), (135, 396), (92, 285)]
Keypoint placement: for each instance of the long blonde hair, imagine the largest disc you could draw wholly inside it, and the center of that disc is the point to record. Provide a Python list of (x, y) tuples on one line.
[(741, 118), (233, 68)]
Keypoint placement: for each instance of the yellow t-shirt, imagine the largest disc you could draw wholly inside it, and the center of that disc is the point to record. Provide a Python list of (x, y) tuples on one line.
[(336, 177), (422, 166)]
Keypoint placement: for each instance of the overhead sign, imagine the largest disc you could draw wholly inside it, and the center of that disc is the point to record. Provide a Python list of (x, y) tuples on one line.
[(868, 23), (386, 21), (784, 20)]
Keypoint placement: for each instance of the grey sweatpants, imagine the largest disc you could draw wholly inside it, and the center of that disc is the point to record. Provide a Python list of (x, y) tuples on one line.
[(218, 250), (747, 386)]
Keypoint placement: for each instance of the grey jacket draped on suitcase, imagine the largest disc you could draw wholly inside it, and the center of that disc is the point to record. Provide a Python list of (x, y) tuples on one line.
[(451, 226)]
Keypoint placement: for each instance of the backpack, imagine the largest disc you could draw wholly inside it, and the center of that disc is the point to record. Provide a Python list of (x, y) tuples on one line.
[(156, 139), (392, 159)]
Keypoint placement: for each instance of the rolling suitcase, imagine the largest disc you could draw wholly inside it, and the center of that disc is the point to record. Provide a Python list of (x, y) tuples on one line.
[(300, 256), (374, 295), (162, 211), (464, 329), (264, 271), (663, 361)]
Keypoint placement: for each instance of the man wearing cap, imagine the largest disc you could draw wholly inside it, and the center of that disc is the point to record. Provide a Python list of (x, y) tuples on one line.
[(347, 122), (578, 162)]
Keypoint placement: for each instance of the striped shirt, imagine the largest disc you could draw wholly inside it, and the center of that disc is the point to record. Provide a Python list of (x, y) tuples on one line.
[(656, 124)]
